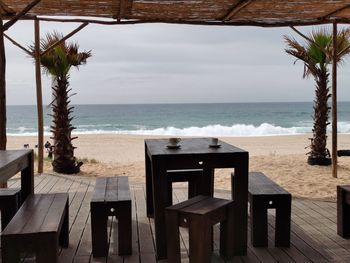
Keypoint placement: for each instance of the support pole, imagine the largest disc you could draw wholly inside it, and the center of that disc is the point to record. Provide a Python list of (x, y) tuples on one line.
[(3, 138), (39, 98), (334, 104)]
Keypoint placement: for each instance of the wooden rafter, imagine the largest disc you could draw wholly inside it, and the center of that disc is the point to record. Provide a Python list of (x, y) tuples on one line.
[(184, 22), (19, 15), (18, 45), (334, 12), (236, 8), (6, 9), (64, 38), (265, 13)]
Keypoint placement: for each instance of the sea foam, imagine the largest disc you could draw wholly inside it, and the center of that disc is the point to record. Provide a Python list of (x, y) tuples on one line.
[(236, 130), (265, 129)]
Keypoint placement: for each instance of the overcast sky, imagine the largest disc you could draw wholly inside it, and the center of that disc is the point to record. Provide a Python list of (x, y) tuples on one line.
[(159, 63)]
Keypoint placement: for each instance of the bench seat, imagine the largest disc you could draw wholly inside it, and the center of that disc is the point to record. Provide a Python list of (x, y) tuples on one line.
[(199, 214), (264, 194), (10, 201), (39, 226), (111, 198), (343, 210)]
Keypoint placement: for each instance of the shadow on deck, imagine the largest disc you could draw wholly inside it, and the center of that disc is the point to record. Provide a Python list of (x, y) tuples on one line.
[(313, 237)]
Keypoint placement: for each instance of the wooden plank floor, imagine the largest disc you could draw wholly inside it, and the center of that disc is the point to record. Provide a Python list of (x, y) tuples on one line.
[(313, 238)]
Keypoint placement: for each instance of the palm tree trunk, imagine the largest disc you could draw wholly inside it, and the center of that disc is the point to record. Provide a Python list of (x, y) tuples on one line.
[(64, 160), (319, 149)]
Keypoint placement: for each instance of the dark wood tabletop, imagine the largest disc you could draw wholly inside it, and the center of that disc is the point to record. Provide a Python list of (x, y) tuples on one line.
[(195, 153), (189, 146), (14, 161)]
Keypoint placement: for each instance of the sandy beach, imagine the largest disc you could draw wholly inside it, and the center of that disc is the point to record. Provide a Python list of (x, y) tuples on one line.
[(282, 158)]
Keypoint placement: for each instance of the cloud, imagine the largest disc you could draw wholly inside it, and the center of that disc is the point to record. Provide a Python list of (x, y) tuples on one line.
[(158, 63)]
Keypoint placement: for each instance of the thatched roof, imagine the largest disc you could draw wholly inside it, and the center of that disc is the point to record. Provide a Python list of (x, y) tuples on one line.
[(238, 12)]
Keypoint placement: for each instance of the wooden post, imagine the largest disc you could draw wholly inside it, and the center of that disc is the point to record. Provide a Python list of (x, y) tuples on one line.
[(39, 98), (334, 103), (3, 138)]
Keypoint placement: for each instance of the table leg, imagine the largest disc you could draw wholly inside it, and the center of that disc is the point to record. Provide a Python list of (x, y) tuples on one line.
[(160, 200), (207, 182), (240, 216), (27, 178), (149, 190)]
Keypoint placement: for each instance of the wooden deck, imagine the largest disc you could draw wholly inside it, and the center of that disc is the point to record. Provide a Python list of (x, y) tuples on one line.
[(313, 238)]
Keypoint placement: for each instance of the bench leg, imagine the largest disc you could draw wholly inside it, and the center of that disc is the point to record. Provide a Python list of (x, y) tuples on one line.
[(172, 236), (226, 234), (9, 251), (343, 213), (8, 209), (99, 230), (48, 250), (200, 235), (283, 218), (64, 234), (124, 229), (258, 222)]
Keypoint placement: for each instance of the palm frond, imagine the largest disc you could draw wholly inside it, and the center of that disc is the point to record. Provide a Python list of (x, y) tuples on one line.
[(60, 59)]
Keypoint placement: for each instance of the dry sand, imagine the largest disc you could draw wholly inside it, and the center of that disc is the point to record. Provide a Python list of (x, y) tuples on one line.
[(282, 158)]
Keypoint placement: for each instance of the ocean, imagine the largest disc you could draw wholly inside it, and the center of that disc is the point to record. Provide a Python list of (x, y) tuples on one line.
[(224, 119)]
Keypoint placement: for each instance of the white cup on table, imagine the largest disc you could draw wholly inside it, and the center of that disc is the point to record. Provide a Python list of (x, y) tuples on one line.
[(174, 141), (214, 141)]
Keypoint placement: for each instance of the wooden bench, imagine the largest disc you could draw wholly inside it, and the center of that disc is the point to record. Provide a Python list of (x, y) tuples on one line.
[(199, 214), (10, 201), (111, 198), (343, 210), (39, 226), (265, 194)]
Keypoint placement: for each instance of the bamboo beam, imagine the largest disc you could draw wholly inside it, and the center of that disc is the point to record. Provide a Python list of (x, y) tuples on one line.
[(39, 97), (192, 22), (334, 103), (6, 8), (3, 138), (335, 12), (236, 8), (18, 45), (64, 38), (20, 15), (302, 35)]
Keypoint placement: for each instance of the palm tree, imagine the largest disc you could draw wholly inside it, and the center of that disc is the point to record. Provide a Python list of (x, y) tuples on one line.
[(57, 63), (316, 54)]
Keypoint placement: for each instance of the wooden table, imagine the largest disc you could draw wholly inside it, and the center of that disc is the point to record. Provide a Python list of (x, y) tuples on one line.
[(14, 161), (195, 154)]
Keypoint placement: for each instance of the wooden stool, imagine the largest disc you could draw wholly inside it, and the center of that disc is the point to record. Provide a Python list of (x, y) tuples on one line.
[(264, 194), (39, 226), (343, 210), (111, 198), (199, 214), (10, 201)]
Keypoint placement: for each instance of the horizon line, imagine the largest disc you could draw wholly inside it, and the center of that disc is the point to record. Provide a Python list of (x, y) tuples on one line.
[(175, 103)]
